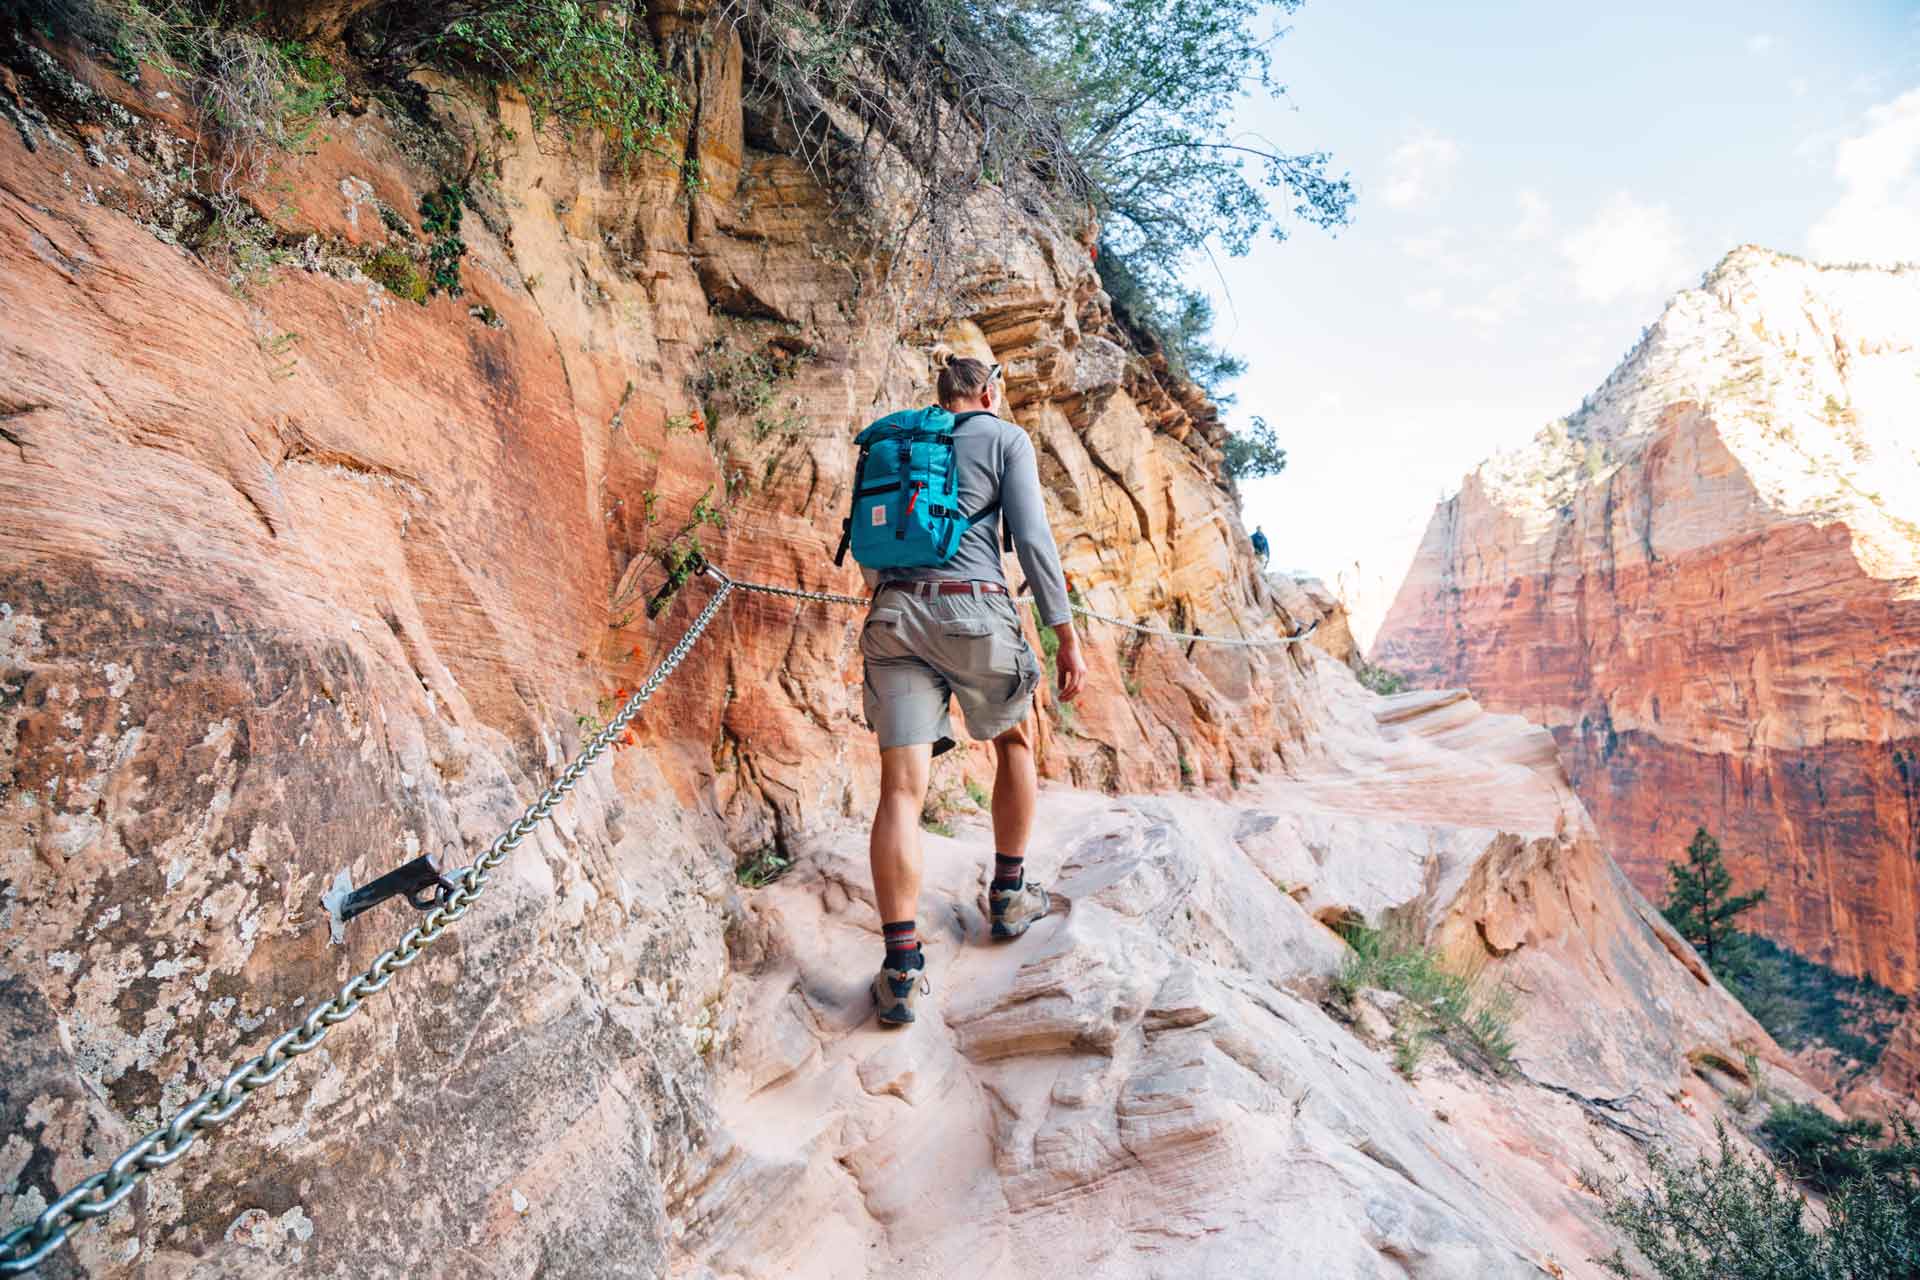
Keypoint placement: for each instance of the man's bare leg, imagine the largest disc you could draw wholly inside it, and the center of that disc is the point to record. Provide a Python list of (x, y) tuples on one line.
[(1014, 902), (895, 847), (1016, 791)]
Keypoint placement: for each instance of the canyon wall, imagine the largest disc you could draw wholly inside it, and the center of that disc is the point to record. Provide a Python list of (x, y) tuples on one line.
[(303, 578), (1707, 584)]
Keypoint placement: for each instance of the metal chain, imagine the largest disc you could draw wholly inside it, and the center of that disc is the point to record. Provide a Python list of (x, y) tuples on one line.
[(830, 598), (793, 593), (1165, 634), (23, 1249)]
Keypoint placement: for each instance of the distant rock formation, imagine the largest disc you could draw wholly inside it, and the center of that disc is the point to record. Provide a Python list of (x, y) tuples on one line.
[(1707, 583)]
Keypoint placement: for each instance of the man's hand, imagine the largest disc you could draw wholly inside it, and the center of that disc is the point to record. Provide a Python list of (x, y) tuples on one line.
[(1069, 662)]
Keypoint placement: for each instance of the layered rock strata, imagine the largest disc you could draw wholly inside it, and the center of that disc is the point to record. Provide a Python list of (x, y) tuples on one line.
[(1707, 583), (303, 579), (1153, 1082)]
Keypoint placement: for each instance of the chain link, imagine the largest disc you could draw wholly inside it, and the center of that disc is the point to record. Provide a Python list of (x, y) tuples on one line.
[(1162, 632), (23, 1249), (1195, 637)]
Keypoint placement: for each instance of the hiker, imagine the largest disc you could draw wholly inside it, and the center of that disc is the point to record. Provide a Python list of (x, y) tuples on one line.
[(1260, 547), (943, 625)]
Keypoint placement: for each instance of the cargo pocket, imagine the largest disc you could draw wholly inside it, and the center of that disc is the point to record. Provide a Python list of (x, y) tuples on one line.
[(1027, 676), (973, 646), (880, 633)]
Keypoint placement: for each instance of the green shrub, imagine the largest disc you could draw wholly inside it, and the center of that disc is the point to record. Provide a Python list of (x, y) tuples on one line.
[(1382, 681), (581, 67), (398, 274), (1826, 1153), (744, 385), (1456, 1008), (760, 869), (441, 211), (1049, 646), (256, 96), (1728, 1216)]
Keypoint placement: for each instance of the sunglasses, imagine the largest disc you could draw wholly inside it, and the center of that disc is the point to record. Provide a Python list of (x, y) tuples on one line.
[(993, 373)]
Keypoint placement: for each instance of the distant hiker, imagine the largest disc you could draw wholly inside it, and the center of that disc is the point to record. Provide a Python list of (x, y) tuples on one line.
[(1260, 547), (934, 491)]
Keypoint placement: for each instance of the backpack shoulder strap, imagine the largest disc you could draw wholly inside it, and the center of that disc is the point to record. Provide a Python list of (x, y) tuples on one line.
[(846, 525), (988, 512), (992, 508)]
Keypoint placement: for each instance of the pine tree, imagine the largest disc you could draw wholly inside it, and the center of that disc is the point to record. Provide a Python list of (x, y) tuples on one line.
[(1701, 905)]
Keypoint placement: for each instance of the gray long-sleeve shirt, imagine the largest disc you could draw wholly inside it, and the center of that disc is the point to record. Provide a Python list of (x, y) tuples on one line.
[(993, 457)]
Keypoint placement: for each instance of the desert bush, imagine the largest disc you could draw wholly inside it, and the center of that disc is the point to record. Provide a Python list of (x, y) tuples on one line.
[(1826, 1154), (582, 67), (1728, 1215), (1458, 1008), (1380, 680), (258, 96)]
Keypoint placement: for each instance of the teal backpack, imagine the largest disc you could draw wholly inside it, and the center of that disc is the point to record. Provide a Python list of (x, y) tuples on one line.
[(906, 512)]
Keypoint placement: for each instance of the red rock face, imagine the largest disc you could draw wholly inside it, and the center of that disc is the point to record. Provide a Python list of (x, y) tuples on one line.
[(301, 579), (1717, 615)]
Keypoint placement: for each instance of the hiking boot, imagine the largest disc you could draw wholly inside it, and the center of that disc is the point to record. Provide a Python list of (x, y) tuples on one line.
[(1015, 910), (896, 990)]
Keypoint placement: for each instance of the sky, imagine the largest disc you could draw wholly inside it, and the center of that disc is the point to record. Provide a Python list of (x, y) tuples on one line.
[(1535, 180)]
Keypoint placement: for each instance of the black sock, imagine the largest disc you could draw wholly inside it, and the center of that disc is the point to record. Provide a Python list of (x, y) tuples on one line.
[(1007, 872), (903, 945)]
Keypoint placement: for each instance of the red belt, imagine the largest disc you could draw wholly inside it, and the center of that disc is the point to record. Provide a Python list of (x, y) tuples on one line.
[(944, 587)]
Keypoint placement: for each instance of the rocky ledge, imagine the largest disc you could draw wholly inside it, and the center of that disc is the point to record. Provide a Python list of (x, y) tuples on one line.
[(1158, 1081)]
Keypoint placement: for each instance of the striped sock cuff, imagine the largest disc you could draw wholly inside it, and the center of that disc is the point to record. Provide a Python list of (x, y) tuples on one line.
[(1007, 871), (901, 936)]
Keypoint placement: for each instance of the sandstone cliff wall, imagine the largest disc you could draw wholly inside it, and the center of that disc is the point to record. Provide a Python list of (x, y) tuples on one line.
[(302, 578), (1707, 583)]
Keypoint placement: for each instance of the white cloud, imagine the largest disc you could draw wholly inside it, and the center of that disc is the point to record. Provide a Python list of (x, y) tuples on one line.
[(1419, 168), (1493, 307), (1628, 249), (1438, 251), (1535, 215), (1760, 42), (1877, 218), (1798, 86), (1426, 300)]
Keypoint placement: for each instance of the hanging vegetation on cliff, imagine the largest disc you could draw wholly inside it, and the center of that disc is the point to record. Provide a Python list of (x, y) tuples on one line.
[(1115, 113)]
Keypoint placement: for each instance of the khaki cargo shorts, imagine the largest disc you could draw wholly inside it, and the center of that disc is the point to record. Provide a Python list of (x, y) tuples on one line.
[(921, 651)]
